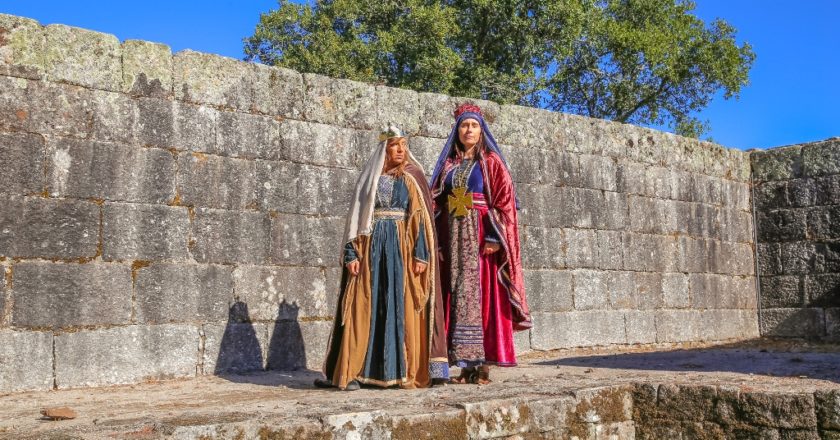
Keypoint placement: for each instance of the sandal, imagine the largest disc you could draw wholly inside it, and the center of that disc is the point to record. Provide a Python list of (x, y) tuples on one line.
[(482, 376), (467, 376)]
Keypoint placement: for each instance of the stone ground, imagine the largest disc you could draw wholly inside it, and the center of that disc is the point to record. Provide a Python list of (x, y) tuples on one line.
[(188, 408)]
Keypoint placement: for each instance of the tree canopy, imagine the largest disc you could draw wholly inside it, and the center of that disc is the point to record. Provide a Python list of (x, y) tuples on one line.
[(649, 62)]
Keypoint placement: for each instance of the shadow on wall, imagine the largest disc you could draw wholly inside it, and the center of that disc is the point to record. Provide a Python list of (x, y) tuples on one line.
[(240, 356), (758, 357)]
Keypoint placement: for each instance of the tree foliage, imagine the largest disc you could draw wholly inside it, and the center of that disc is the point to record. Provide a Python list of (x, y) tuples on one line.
[(640, 61)]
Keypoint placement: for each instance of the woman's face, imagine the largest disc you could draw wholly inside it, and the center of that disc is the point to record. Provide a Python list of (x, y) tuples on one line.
[(469, 132), (396, 152)]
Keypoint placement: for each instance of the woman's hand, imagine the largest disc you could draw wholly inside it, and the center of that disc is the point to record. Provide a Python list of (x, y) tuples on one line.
[(419, 267), (353, 267), (491, 248)]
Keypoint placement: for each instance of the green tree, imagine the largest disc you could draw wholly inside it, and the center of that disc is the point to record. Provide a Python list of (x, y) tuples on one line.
[(637, 61)]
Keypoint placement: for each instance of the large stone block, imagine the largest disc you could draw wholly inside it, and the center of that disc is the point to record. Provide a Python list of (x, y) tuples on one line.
[(172, 293), (598, 172), (549, 290), (577, 329), (769, 258), (823, 290), (675, 293), (426, 150), (195, 127), (623, 291), (284, 293), (798, 322), (581, 248), (709, 291), (113, 172), (631, 177), (305, 189), (146, 68), (561, 169), (22, 162), (339, 102), (592, 289), (827, 190), (799, 257), (155, 125), (230, 237), (26, 360), (543, 247), (610, 249), (60, 295), (278, 91), (298, 345), (303, 240), (437, 114), (641, 326), (211, 79), (248, 136), (827, 257), (650, 253), (22, 47), (115, 117), (615, 214), (779, 410), (217, 181), (781, 292), (648, 292), (145, 232), (736, 226), (654, 216), (235, 347), (45, 107), (525, 127), (824, 223), (772, 194), (781, 225), (679, 325), (827, 405), (48, 228), (124, 355), (400, 106), (821, 158), (777, 164), (525, 164), (83, 57), (662, 182), (321, 144)]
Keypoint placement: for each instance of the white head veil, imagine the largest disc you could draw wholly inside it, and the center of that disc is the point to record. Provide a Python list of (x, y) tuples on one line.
[(360, 218)]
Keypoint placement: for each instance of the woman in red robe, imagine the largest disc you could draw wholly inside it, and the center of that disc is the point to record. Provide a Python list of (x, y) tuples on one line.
[(477, 228)]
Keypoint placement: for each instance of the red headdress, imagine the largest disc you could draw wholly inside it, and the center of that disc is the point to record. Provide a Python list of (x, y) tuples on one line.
[(467, 108)]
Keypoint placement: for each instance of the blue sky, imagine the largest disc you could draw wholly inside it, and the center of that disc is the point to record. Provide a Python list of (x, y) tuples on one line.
[(794, 95)]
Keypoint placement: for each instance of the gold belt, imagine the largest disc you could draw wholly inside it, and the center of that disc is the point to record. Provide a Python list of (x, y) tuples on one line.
[(389, 214)]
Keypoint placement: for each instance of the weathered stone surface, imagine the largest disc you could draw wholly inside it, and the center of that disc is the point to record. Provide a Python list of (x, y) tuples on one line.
[(36, 227), (709, 291), (772, 194), (782, 225), (692, 255), (22, 162), (650, 253), (824, 223), (581, 248), (769, 258), (320, 144), (59, 295), (114, 117), (654, 216), (145, 232), (295, 188), (297, 239), (297, 345), (146, 68), (235, 347), (25, 360), (822, 290), (549, 290), (283, 293), (782, 291), (832, 323), (278, 91), (827, 190), (777, 164), (779, 410), (648, 290), (679, 325), (45, 107), (437, 114), (195, 127), (827, 403), (592, 289), (524, 163), (561, 168), (821, 158), (230, 236), (155, 122), (798, 257), (798, 322), (426, 150), (736, 226), (400, 106), (248, 136), (83, 57), (598, 172), (543, 247), (211, 79), (216, 181), (640, 326), (172, 293), (340, 102), (610, 249), (577, 329), (496, 418), (675, 293), (622, 288), (21, 47), (107, 171), (123, 355)]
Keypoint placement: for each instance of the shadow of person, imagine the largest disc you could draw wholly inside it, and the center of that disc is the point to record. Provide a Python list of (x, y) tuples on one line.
[(286, 350), (239, 350)]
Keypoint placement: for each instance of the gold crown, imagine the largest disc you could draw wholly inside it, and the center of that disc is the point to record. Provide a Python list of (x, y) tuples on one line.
[(390, 131)]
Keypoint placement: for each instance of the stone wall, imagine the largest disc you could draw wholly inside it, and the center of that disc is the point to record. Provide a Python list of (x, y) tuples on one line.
[(172, 215), (797, 198)]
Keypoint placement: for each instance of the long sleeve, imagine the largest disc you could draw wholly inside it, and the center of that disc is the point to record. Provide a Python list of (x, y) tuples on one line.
[(421, 250), (350, 254)]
